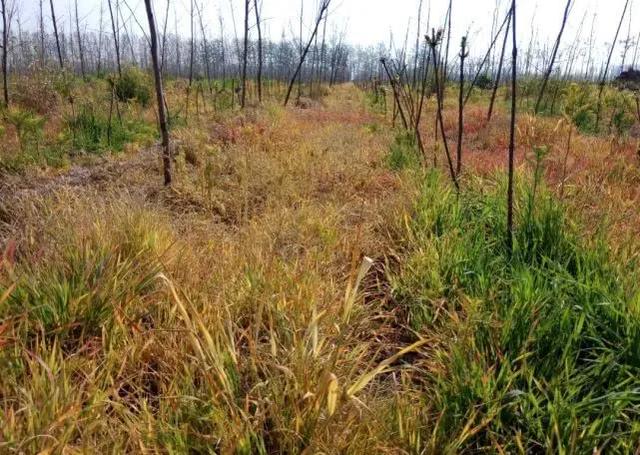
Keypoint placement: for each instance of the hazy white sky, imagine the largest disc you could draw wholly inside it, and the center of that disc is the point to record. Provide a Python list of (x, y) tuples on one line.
[(370, 21)]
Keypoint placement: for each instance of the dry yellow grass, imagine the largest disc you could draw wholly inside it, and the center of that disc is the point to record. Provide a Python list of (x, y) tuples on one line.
[(232, 313), (225, 308)]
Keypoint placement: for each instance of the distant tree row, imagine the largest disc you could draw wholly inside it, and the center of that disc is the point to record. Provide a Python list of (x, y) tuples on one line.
[(121, 40)]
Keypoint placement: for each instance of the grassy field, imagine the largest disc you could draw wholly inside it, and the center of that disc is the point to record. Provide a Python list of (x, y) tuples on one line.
[(307, 286)]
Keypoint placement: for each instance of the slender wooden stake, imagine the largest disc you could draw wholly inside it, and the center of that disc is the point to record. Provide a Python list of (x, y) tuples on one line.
[(243, 90), (109, 127), (41, 26), (463, 54), (5, 40), (635, 52), (80, 49), (205, 46), (396, 95), (486, 56), (259, 28), (414, 81), (423, 90), (116, 40), (512, 131), (163, 50), (564, 162), (55, 32), (192, 44), (627, 42), (496, 83), (323, 8), (300, 48), (99, 57), (162, 118), (433, 43), (556, 46), (445, 74)]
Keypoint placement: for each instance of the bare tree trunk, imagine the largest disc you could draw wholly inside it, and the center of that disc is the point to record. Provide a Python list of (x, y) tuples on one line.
[(116, 40), (99, 56), (300, 48), (635, 52), (507, 18), (5, 42), (162, 118), (463, 54), (163, 52), (72, 60), (396, 95), (512, 131), (243, 93), (191, 46), (323, 8), (205, 46), (556, 46), (175, 25), (433, 43), (80, 50), (590, 47), (606, 68), (417, 51), (222, 52), (627, 42), (314, 65), (191, 58), (259, 28), (446, 52), (323, 50), (496, 83), (529, 53), (41, 20), (55, 32)]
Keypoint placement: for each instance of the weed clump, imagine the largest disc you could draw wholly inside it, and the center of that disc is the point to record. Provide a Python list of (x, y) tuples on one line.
[(134, 85), (532, 352), (92, 131), (403, 152), (28, 127)]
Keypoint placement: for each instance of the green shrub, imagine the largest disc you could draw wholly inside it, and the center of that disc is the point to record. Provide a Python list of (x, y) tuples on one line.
[(134, 84), (580, 107), (484, 82), (621, 106), (28, 127)]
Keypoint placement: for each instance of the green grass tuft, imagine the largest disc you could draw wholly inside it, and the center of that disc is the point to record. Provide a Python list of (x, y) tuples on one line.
[(540, 350)]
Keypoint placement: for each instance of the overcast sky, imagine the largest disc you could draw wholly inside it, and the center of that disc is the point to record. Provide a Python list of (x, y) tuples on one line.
[(368, 22)]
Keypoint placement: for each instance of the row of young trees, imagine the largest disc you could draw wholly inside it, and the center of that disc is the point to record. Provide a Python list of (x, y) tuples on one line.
[(63, 38), (121, 40), (429, 75), (317, 55)]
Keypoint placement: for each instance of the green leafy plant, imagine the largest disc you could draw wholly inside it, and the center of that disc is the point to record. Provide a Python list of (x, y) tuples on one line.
[(28, 127), (134, 84), (621, 105), (484, 82), (580, 107), (403, 152)]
